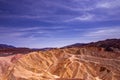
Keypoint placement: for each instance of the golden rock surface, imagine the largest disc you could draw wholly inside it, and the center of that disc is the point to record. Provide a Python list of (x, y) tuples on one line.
[(86, 63)]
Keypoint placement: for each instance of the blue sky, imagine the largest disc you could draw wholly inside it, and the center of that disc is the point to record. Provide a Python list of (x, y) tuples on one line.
[(56, 23)]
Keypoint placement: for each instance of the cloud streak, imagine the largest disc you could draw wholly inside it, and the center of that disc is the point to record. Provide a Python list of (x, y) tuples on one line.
[(105, 32)]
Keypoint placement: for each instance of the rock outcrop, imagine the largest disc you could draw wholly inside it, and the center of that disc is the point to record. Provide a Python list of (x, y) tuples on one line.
[(85, 63), (6, 62)]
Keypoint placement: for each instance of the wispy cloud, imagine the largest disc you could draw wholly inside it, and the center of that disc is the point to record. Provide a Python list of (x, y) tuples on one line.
[(85, 17), (108, 4), (31, 32), (22, 16), (104, 32)]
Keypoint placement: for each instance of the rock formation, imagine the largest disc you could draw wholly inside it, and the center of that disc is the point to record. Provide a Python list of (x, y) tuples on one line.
[(84, 63), (5, 62)]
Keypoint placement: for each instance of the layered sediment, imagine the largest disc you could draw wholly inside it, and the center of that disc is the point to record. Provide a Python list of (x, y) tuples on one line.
[(85, 63)]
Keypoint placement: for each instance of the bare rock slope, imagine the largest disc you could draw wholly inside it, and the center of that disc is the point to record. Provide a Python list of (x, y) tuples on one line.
[(6, 62), (86, 63)]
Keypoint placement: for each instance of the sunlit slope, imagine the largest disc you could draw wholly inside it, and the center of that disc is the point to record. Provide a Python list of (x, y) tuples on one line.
[(86, 63)]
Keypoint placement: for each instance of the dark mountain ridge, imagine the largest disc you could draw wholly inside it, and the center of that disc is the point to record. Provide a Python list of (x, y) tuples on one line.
[(108, 44), (4, 46)]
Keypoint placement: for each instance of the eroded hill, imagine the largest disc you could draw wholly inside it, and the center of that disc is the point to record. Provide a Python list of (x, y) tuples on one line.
[(85, 63)]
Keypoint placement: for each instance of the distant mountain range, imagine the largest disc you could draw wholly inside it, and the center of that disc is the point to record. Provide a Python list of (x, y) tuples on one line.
[(3, 46), (75, 45), (6, 50), (115, 43), (108, 44)]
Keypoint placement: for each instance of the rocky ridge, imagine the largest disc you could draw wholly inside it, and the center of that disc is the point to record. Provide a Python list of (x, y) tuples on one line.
[(85, 63)]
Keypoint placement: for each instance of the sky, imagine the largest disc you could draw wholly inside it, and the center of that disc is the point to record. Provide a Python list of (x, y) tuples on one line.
[(57, 23)]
